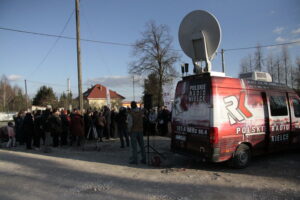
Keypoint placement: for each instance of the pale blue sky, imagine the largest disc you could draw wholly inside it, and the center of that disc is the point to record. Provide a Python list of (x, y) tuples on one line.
[(243, 24)]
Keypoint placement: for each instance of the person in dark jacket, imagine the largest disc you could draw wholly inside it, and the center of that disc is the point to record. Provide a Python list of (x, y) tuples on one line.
[(107, 115), (55, 127), (19, 119), (113, 115), (77, 128), (88, 124), (99, 123), (46, 126), (28, 128), (38, 129), (152, 121), (163, 120), (121, 119)]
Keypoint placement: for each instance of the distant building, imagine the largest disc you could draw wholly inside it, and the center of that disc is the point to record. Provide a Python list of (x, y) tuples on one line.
[(98, 96)]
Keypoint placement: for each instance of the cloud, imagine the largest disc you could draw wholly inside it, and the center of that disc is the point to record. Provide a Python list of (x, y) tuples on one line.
[(296, 40), (278, 30), (272, 12), (116, 81), (14, 77), (280, 39), (296, 31), (273, 48)]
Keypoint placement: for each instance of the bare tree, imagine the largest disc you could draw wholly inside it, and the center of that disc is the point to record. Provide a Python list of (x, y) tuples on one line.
[(286, 62), (11, 98), (297, 73), (154, 54), (258, 58), (6, 93), (270, 64), (246, 64), (279, 69)]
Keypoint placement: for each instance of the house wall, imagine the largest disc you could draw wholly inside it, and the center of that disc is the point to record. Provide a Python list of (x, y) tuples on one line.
[(99, 103)]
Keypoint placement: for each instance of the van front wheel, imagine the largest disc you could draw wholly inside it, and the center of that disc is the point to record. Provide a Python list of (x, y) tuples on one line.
[(241, 157)]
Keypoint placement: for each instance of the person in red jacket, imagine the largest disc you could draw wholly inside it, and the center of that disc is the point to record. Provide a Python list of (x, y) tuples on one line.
[(77, 128)]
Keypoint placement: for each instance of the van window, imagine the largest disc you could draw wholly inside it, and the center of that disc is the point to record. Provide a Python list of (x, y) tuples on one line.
[(278, 106), (296, 105)]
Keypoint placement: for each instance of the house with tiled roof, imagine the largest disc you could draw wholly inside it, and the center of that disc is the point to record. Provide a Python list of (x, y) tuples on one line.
[(98, 96)]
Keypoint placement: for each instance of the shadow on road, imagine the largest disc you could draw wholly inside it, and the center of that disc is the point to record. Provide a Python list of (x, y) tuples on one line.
[(285, 165), (50, 179)]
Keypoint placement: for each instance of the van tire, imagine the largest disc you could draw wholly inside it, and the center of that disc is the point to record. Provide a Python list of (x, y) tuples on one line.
[(241, 157)]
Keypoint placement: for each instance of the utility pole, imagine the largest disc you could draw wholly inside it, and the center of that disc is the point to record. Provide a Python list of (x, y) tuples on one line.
[(4, 95), (69, 86), (223, 64), (278, 69), (80, 97), (26, 95)]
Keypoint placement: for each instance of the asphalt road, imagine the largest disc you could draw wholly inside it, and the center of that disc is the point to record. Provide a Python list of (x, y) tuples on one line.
[(69, 173)]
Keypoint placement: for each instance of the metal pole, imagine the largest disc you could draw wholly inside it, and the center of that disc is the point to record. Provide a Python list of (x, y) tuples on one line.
[(286, 72), (133, 88), (80, 96), (223, 64), (4, 95), (26, 95), (68, 93), (278, 70)]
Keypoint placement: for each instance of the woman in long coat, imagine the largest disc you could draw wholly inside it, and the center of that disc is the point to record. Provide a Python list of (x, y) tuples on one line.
[(28, 128), (77, 128)]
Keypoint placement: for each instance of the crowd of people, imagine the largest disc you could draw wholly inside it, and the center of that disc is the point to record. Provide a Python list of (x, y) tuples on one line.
[(61, 127)]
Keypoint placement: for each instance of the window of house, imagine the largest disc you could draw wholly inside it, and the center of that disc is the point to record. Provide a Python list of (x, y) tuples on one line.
[(296, 106), (278, 106)]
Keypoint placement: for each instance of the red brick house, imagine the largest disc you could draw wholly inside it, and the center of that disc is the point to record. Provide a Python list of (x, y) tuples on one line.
[(96, 97)]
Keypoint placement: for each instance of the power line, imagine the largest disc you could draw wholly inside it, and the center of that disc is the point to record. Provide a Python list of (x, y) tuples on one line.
[(53, 45), (46, 83), (65, 37), (125, 44), (263, 46)]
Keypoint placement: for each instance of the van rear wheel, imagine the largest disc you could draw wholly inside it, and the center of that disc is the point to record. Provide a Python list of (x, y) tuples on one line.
[(241, 157)]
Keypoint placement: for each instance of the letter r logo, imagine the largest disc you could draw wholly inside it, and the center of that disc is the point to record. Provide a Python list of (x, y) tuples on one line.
[(236, 108)]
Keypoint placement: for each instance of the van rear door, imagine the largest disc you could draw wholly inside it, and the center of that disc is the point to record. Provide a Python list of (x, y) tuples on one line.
[(191, 115), (279, 123), (295, 119)]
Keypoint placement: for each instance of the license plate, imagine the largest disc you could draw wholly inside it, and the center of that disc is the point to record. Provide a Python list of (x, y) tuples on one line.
[(180, 137)]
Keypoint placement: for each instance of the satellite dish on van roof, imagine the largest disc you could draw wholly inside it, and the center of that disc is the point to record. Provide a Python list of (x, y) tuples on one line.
[(199, 37)]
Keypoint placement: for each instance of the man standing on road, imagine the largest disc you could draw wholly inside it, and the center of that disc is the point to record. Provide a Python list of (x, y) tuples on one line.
[(135, 124)]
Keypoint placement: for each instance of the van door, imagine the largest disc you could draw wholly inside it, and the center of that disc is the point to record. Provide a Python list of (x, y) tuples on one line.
[(267, 121), (295, 118), (279, 120)]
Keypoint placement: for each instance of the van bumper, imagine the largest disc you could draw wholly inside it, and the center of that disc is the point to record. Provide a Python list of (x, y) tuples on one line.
[(214, 156)]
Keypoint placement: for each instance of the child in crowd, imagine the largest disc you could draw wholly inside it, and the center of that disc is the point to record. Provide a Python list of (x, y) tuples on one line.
[(12, 135)]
